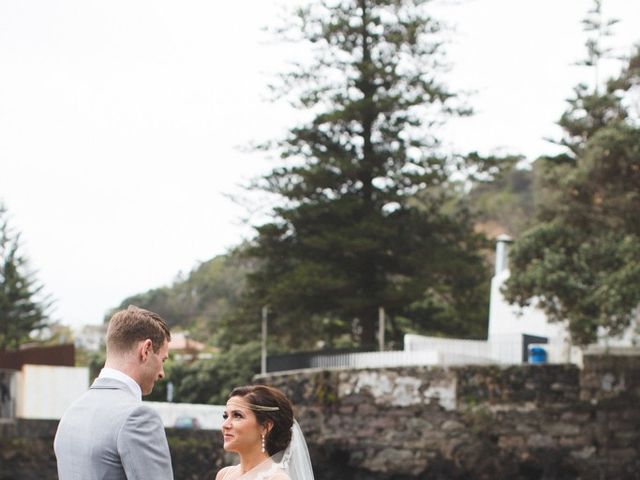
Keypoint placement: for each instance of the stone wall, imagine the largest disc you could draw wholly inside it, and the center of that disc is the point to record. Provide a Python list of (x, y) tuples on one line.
[(26, 451), (474, 422)]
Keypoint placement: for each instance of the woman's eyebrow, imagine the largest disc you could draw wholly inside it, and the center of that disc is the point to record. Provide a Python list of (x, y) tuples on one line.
[(235, 410)]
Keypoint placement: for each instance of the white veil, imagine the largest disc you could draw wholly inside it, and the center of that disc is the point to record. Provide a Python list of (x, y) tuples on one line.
[(296, 460)]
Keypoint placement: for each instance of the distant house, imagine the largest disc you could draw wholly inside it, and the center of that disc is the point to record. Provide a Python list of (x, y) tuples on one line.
[(91, 337), (182, 347)]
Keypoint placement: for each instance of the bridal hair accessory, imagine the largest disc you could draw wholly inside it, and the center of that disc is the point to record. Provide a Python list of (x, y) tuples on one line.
[(261, 408), (254, 407), (262, 443)]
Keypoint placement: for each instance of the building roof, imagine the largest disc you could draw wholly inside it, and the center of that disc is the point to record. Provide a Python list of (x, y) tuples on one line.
[(181, 342)]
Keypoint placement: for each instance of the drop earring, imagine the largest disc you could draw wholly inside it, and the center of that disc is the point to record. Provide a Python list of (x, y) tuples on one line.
[(262, 443)]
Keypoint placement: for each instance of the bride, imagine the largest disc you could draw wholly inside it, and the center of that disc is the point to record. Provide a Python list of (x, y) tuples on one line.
[(259, 426)]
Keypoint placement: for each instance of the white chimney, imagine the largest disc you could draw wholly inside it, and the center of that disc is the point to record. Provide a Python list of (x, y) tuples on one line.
[(502, 253)]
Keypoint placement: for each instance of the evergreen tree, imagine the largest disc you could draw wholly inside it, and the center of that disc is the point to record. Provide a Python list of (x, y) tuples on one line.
[(598, 28), (580, 261), (361, 224), (22, 307), (590, 109)]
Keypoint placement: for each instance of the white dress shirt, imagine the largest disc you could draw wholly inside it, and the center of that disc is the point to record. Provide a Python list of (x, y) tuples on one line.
[(123, 377)]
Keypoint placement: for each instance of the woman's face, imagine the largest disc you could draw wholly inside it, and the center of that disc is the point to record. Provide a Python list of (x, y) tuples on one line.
[(240, 429)]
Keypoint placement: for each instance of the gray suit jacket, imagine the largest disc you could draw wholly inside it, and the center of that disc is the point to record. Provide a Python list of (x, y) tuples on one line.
[(108, 434)]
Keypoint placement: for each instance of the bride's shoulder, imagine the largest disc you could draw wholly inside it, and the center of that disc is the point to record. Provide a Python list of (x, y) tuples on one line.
[(222, 473)]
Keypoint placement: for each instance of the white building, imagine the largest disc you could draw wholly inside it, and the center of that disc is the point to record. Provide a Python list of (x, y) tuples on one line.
[(513, 331)]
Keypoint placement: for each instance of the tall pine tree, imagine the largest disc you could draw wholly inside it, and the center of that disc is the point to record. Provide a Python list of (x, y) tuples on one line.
[(22, 308), (580, 261), (361, 222)]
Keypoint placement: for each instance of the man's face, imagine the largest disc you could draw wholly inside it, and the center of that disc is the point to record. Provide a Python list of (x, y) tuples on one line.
[(153, 367)]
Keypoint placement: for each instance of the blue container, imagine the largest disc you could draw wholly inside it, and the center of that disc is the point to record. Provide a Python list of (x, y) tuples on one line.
[(537, 355)]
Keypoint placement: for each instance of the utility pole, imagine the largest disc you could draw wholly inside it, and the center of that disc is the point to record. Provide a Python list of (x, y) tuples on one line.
[(263, 354), (381, 328)]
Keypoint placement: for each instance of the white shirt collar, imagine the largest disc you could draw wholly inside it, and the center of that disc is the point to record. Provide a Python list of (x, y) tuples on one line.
[(123, 377)]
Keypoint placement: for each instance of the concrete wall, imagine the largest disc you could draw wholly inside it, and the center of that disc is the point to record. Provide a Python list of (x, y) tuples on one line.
[(46, 392), (209, 417)]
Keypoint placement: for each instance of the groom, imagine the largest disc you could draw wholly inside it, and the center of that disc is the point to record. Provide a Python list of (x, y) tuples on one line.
[(108, 432)]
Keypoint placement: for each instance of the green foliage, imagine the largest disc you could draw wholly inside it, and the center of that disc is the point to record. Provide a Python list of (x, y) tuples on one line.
[(580, 261), (598, 28), (53, 334), (23, 308), (210, 381), (363, 222), (95, 362), (590, 109)]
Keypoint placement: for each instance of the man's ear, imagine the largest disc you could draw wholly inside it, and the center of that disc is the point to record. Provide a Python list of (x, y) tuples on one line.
[(144, 349)]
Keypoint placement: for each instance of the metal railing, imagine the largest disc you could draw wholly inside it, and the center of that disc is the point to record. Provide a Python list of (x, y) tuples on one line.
[(376, 359), (427, 351)]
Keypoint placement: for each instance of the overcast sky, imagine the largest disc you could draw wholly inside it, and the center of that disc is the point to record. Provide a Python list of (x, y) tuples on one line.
[(123, 123)]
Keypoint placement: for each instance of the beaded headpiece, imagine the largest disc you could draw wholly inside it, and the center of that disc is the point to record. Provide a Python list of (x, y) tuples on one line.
[(256, 408)]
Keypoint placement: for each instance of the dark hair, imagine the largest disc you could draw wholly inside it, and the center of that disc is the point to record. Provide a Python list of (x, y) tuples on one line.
[(134, 324), (279, 436)]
